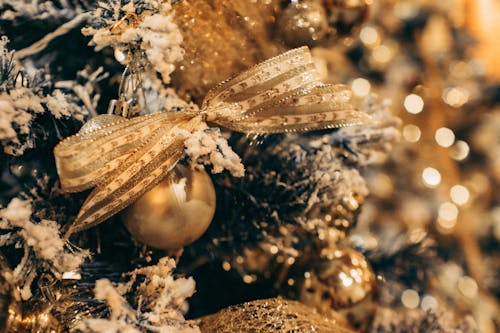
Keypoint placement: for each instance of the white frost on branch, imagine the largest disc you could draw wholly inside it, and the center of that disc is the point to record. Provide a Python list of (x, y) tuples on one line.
[(161, 300), (38, 10), (208, 146), (150, 40), (59, 106), (41, 241), (161, 40), (19, 108), (374, 141), (21, 105)]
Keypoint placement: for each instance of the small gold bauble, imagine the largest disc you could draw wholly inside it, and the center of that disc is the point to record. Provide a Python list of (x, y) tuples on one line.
[(320, 22), (174, 213), (343, 281), (303, 23)]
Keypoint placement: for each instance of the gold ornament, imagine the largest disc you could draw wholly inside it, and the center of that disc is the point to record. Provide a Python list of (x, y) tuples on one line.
[(304, 23), (175, 212), (125, 158), (344, 281), (273, 315), (238, 34)]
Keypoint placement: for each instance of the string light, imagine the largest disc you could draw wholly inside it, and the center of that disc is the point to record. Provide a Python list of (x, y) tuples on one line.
[(447, 216), (459, 194), (444, 137), (468, 286), (410, 299), (413, 104), (226, 266), (431, 177), (411, 133), (382, 54), (429, 303), (455, 97), (369, 36), (360, 87), (460, 150)]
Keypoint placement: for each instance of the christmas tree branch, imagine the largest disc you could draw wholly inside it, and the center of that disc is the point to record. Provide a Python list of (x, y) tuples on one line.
[(44, 42)]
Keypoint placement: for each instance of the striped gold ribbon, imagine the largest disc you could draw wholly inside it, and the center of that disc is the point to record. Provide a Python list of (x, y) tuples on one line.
[(125, 158)]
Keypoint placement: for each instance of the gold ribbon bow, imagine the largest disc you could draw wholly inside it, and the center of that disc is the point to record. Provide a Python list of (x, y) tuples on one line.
[(126, 158)]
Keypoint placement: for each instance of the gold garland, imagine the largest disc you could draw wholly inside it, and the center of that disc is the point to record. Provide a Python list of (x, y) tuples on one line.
[(127, 157)]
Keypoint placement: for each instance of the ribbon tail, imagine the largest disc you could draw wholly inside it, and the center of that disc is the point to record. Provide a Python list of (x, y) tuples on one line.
[(153, 164)]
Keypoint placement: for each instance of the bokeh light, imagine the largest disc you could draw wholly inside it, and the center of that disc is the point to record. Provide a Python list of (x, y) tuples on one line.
[(360, 87), (411, 133), (431, 177), (414, 104), (459, 194), (444, 137)]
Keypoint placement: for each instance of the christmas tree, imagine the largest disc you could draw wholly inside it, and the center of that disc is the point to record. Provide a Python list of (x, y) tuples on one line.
[(249, 166)]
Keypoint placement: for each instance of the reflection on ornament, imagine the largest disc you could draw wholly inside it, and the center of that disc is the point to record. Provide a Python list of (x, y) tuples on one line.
[(176, 212), (273, 315), (320, 23), (342, 280), (303, 23)]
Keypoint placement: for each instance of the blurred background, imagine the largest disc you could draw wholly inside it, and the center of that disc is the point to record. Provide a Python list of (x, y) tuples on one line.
[(437, 61)]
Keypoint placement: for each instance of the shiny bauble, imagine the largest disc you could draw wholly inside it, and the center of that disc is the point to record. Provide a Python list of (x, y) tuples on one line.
[(344, 281), (98, 122), (303, 23), (176, 212), (319, 22), (346, 16), (273, 315)]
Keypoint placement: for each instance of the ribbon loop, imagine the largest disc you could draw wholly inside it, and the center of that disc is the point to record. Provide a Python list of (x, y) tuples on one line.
[(282, 94)]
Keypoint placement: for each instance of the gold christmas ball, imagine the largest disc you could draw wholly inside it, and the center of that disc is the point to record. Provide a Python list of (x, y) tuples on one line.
[(320, 22), (344, 281), (303, 23), (99, 121), (271, 316), (174, 213)]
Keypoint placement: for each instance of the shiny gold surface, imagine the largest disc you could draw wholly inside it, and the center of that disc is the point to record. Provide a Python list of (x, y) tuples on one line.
[(273, 315), (175, 212), (222, 38), (343, 280)]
